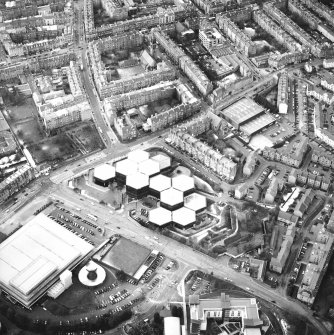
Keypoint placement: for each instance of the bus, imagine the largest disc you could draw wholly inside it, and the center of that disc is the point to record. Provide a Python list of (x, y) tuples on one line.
[(93, 217)]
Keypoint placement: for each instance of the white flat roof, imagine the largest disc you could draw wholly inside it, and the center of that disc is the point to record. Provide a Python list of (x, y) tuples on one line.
[(126, 167), (160, 183), (104, 172), (183, 183), (160, 216), (171, 196), (184, 216), (163, 160), (137, 180), (138, 156), (39, 250), (149, 167), (195, 201), (172, 325)]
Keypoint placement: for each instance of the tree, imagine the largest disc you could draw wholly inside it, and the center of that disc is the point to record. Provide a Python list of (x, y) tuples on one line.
[(121, 275), (157, 318)]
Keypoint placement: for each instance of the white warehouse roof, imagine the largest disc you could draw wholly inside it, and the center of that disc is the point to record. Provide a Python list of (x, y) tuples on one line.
[(195, 201), (149, 167), (183, 183), (184, 216), (160, 183), (137, 180), (35, 254), (126, 167), (138, 156), (171, 197), (104, 172), (163, 160), (160, 216)]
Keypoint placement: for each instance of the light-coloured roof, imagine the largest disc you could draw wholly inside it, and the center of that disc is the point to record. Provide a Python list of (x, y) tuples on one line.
[(163, 160), (137, 180), (138, 156), (195, 201), (126, 167), (171, 197), (39, 250), (160, 216), (183, 183), (104, 172), (184, 216), (149, 167), (160, 183), (172, 325)]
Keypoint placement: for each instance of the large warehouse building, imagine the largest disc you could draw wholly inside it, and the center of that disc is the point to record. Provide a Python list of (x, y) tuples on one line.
[(246, 115), (104, 174), (125, 168), (184, 183), (137, 185), (159, 184), (35, 256)]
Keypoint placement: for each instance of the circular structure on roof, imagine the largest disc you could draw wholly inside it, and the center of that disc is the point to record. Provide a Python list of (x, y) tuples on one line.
[(92, 274)]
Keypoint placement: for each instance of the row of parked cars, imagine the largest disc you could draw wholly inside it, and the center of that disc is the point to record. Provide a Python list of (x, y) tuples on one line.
[(75, 224), (71, 230), (106, 289), (119, 296), (196, 283), (154, 283)]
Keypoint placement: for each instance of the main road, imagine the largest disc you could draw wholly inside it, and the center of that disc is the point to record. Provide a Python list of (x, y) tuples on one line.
[(119, 223)]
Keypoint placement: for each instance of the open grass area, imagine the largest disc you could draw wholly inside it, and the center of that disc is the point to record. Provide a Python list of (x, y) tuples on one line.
[(58, 147)]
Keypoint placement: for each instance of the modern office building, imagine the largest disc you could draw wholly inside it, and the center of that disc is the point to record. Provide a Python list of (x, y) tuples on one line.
[(183, 183), (171, 199), (125, 168), (160, 217), (195, 202), (159, 184), (149, 167), (137, 185), (184, 218)]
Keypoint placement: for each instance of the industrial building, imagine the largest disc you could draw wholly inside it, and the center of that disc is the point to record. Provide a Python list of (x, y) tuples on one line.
[(138, 156), (125, 168), (171, 199), (159, 184), (247, 116), (283, 93), (184, 183), (137, 185), (163, 160), (160, 217), (172, 325), (149, 167), (195, 202), (104, 174), (34, 257), (184, 218)]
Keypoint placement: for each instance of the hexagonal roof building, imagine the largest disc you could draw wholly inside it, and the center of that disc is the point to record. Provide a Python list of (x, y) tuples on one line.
[(195, 202), (183, 217), (138, 156), (160, 216), (163, 160), (137, 180), (171, 199), (159, 183), (104, 172), (149, 167), (125, 168), (184, 184)]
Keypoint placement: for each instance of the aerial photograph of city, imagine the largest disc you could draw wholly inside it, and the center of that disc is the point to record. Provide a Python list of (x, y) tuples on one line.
[(167, 167)]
